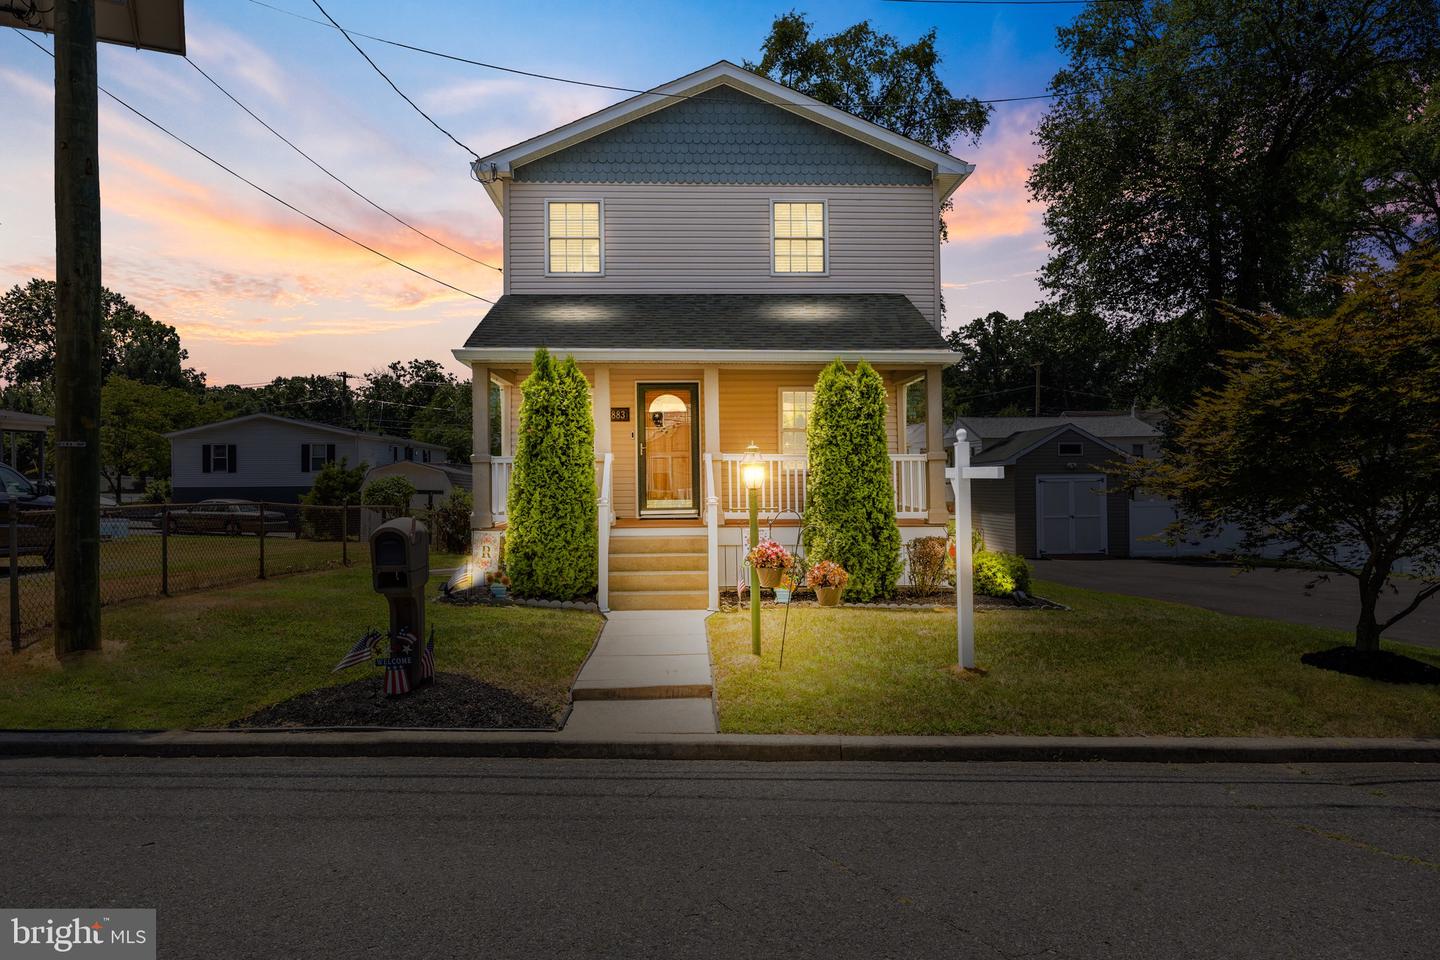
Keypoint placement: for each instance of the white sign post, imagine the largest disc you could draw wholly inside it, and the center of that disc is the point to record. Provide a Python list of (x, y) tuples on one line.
[(960, 476)]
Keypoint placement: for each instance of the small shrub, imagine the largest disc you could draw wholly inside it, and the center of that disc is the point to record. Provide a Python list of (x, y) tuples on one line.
[(392, 492), (157, 491), (927, 557), (1000, 574), (335, 486), (449, 523)]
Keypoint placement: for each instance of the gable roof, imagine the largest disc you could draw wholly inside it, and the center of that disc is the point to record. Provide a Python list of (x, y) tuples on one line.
[(495, 169), (1014, 447), (764, 327), (308, 425), (998, 428)]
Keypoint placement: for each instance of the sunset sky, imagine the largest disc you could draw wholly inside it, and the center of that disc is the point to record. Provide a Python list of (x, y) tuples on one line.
[(256, 291)]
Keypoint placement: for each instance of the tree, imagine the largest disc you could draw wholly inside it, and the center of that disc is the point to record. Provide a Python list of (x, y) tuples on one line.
[(1202, 152), (850, 497), (447, 420), (133, 345), (134, 418), (1083, 363), (393, 492), (391, 398), (551, 540), (875, 77), (1325, 436), (336, 485)]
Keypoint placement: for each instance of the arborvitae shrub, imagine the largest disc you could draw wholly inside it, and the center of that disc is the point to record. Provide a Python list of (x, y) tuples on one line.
[(551, 539)]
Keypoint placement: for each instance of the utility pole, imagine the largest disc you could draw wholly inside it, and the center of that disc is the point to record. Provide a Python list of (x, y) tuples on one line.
[(1037, 388), (77, 329)]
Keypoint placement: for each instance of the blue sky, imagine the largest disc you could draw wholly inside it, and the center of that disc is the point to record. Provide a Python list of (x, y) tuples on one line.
[(258, 292)]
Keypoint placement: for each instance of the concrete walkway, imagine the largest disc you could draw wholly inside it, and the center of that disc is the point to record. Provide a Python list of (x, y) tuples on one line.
[(649, 674)]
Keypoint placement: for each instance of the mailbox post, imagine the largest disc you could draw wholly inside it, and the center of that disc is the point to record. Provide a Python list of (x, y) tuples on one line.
[(400, 569)]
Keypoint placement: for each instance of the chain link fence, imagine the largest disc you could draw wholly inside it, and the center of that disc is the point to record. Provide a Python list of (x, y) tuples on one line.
[(151, 550)]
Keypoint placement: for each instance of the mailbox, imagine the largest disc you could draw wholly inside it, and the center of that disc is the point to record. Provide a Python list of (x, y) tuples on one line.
[(400, 569)]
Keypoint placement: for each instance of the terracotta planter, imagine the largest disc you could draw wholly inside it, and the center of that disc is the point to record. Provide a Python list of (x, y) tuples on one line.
[(828, 596), (770, 577)]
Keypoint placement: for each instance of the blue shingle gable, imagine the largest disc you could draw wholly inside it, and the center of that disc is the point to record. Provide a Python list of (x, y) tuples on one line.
[(722, 136)]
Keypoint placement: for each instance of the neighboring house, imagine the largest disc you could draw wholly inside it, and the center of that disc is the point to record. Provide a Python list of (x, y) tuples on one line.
[(265, 457), (1129, 432), (703, 250), (433, 482)]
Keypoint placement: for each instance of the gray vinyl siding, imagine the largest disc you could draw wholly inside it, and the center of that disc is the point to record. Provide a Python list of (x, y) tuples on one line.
[(992, 505), (1046, 460), (722, 136), (715, 238), (267, 455)]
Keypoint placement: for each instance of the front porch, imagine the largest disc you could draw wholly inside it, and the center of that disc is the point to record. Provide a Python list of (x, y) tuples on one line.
[(669, 446)]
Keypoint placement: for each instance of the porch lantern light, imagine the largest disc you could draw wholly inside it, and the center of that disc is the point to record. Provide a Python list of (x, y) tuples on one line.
[(752, 473)]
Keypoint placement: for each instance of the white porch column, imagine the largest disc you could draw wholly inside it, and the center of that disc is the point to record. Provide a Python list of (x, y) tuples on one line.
[(710, 404), (600, 404), (934, 446), (481, 516)]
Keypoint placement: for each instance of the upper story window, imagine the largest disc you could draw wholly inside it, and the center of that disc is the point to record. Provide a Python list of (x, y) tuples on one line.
[(574, 236), (799, 236), (795, 420)]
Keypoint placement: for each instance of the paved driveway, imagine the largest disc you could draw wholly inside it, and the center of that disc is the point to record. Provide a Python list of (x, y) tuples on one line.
[(1263, 592)]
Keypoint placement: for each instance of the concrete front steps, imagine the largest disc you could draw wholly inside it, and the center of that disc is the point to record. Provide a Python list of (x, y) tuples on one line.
[(658, 572)]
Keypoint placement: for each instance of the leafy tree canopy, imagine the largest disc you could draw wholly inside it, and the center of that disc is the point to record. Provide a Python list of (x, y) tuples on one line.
[(1202, 152), (133, 345), (873, 76), (1325, 436)]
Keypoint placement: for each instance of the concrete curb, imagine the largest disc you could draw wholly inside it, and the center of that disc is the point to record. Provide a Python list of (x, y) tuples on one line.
[(464, 743)]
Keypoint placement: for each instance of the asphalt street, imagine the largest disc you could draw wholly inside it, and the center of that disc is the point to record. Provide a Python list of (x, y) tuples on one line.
[(510, 858), (1273, 593)]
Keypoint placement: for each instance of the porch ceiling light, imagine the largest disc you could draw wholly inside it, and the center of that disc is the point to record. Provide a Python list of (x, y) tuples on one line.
[(752, 468)]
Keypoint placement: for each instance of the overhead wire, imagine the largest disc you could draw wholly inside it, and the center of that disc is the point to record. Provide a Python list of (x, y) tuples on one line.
[(284, 203), (325, 170)]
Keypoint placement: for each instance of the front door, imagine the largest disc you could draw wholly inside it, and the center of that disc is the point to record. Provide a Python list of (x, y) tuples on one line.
[(669, 450)]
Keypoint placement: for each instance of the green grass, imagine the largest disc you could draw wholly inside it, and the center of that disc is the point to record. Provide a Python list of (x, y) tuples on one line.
[(210, 657), (1111, 666)]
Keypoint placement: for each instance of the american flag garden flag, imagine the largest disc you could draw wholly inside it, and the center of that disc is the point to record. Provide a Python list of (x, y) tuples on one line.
[(363, 650), (427, 658), (397, 676)]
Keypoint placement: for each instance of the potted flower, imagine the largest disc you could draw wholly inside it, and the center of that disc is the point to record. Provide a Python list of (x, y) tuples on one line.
[(770, 559), (500, 586), (785, 588), (828, 578)]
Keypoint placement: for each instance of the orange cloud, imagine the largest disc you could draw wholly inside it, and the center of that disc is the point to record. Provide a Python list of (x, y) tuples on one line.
[(994, 201)]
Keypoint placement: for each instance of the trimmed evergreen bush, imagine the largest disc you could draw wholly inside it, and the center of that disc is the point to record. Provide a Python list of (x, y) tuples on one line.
[(850, 500), (1000, 574), (551, 540)]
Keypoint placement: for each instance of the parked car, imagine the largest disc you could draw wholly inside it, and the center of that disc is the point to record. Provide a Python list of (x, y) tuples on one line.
[(35, 531), (232, 517)]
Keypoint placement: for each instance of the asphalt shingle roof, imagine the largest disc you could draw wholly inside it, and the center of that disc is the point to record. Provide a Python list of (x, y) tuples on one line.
[(996, 428), (708, 321)]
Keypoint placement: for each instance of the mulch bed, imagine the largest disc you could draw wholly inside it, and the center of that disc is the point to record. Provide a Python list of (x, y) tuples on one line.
[(904, 599), (453, 700), (1382, 665)]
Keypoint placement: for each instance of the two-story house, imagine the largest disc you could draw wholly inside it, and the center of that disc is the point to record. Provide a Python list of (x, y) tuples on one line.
[(703, 250)]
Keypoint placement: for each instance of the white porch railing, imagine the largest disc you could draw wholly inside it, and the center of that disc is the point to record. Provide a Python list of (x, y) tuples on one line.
[(500, 470), (786, 478), (605, 519), (712, 534)]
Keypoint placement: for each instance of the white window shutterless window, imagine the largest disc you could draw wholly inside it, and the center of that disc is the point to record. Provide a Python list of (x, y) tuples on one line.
[(574, 237), (799, 234), (795, 420)]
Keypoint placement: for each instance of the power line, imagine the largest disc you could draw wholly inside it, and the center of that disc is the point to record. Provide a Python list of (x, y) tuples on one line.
[(386, 78), (547, 76), (284, 203), (283, 139)]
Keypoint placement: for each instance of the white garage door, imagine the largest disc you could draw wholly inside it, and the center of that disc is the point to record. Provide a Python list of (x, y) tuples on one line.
[(1070, 514)]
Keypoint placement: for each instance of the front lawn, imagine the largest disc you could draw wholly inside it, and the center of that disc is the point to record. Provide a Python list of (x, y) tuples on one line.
[(1110, 666), (207, 658)]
